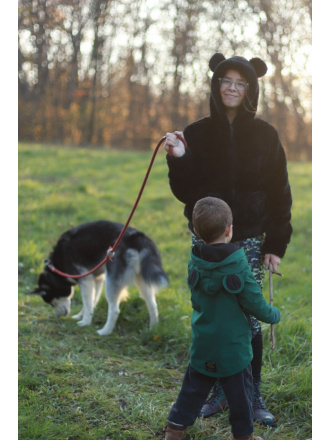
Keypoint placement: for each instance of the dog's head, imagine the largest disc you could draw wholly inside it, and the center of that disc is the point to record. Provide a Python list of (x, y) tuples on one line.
[(56, 291)]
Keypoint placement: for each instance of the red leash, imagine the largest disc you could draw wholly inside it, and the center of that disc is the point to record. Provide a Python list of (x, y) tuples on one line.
[(112, 249)]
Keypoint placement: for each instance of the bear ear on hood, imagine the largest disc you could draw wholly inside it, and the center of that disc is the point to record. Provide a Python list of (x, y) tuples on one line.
[(215, 60), (259, 66)]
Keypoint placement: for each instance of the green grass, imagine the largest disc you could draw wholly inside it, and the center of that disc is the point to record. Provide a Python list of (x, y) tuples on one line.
[(76, 385)]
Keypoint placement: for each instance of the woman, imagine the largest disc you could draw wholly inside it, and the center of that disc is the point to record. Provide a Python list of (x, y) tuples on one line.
[(235, 156)]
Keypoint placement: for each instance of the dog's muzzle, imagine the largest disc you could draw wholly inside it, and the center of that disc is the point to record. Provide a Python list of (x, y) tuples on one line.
[(61, 311), (62, 306)]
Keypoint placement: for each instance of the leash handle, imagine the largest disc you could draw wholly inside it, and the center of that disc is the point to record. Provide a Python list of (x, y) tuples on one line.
[(182, 139)]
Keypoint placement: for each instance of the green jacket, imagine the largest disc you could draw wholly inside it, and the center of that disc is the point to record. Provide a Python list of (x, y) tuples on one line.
[(220, 294)]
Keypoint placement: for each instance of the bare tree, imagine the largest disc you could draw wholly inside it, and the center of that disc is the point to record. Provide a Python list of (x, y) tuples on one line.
[(121, 72), (282, 28)]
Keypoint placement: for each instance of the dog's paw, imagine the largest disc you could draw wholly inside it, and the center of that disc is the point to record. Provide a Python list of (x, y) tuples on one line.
[(103, 332), (153, 323), (84, 323), (78, 316)]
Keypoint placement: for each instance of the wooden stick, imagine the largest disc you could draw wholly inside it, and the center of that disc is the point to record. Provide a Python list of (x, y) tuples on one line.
[(272, 327)]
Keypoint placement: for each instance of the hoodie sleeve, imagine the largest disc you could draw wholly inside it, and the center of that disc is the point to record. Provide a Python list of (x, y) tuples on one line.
[(182, 176), (186, 176), (278, 228), (253, 302)]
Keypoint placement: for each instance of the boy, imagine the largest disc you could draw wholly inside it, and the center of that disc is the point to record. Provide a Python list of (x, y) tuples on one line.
[(223, 293)]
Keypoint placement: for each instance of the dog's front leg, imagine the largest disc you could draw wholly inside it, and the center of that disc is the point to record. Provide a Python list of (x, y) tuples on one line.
[(79, 315), (98, 286), (99, 282), (87, 289)]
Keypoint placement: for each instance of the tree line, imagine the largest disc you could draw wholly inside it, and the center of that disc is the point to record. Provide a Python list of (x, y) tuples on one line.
[(120, 73)]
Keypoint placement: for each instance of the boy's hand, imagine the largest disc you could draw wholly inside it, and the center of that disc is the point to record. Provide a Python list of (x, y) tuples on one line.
[(178, 148), (274, 259)]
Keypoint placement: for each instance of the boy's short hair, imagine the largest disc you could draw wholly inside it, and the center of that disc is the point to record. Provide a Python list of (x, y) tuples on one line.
[(211, 217)]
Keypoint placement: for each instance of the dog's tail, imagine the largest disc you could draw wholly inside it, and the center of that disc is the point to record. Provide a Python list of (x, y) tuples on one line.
[(150, 261), (152, 269)]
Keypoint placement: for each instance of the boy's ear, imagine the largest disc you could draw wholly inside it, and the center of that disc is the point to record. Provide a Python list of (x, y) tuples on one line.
[(229, 230), (195, 232)]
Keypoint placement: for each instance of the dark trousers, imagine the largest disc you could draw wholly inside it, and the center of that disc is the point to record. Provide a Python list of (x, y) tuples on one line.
[(256, 363), (195, 389)]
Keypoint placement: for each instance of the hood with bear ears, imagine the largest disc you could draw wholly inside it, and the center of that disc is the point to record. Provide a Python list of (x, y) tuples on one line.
[(251, 70)]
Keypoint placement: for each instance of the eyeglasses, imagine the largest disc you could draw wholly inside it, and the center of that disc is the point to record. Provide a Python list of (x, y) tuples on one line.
[(240, 86)]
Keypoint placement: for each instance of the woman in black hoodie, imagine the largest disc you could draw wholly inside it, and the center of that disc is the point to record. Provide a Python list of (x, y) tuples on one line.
[(237, 157)]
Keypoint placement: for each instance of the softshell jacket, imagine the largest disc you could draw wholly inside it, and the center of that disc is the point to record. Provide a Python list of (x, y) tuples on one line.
[(221, 293), (244, 164)]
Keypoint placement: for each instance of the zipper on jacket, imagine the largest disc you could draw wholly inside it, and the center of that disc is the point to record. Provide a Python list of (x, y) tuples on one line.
[(232, 183), (231, 131)]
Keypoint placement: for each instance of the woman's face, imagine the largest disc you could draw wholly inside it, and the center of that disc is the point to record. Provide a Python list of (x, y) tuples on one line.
[(233, 88)]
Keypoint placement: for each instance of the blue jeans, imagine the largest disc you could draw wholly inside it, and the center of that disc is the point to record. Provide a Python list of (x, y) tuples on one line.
[(195, 389)]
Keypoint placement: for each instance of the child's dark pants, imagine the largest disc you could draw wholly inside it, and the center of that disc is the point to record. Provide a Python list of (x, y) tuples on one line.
[(195, 389)]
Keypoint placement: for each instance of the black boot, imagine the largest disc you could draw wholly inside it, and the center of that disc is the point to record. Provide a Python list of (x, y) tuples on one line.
[(260, 413), (216, 403)]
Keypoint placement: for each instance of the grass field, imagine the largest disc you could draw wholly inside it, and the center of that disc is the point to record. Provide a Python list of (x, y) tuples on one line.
[(77, 385)]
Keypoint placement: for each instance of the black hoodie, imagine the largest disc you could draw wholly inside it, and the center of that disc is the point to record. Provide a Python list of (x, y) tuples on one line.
[(243, 164)]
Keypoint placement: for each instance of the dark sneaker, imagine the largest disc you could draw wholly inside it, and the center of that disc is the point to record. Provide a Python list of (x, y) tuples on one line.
[(260, 413), (217, 402)]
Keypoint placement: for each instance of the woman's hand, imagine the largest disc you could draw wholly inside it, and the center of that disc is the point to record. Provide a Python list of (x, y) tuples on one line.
[(274, 259), (178, 148)]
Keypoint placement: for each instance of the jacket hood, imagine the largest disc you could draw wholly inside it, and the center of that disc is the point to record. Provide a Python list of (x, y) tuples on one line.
[(251, 70), (234, 263)]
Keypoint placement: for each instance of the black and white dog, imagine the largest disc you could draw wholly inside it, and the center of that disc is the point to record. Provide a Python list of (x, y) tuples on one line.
[(136, 261)]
